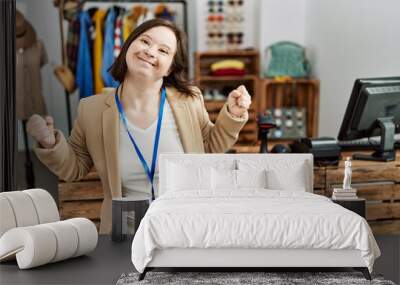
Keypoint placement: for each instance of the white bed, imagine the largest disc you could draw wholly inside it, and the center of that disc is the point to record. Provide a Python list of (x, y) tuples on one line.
[(247, 210)]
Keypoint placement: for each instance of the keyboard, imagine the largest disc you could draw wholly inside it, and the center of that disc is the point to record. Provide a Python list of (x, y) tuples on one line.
[(367, 144)]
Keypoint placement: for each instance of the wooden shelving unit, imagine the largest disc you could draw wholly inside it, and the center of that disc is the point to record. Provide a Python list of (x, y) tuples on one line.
[(273, 94), (205, 80)]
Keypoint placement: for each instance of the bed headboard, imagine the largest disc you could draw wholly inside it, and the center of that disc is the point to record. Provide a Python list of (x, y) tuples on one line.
[(236, 161)]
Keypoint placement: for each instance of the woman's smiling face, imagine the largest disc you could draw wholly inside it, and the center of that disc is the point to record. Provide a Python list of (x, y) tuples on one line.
[(151, 54)]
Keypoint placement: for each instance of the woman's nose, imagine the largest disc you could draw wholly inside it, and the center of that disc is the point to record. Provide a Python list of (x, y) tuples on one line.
[(150, 52)]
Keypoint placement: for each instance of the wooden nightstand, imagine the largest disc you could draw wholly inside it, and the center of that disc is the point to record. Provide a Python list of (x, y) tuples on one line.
[(356, 205)]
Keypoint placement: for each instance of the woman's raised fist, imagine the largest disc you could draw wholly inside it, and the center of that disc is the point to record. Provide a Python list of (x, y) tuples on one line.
[(42, 130)]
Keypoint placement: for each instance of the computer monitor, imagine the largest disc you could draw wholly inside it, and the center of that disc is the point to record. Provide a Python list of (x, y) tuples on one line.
[(373, 109)]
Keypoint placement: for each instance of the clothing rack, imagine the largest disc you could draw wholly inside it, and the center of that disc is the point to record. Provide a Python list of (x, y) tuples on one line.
[(166, 2), (183, 2)]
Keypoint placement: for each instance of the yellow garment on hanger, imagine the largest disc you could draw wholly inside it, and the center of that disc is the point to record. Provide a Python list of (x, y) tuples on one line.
[(128, 25), (131, 20), (228, 63), (98, 19)]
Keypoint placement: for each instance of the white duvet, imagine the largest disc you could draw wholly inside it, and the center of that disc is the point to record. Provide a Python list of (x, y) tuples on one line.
[(252, 218)]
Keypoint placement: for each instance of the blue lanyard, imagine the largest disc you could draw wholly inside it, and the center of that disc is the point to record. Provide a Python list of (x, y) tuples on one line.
[(150, 173)]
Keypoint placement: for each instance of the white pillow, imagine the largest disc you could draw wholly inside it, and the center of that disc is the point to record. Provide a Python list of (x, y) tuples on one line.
[(223, 179), (294, 180), (182, 177), (251, 178), (282, 174)]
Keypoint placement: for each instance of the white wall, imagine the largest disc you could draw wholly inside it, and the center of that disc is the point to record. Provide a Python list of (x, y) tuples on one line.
[(280, 20), (349, 40)]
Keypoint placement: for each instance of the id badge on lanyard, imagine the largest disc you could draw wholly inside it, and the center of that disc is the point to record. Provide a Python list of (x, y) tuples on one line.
[(150, 172)]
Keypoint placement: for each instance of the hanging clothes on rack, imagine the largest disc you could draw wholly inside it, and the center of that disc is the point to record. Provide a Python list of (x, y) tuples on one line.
[(84, 74), (91, 13), (131, 19), (108, 48), (118, 40), (146, 15), (95, 39), (73, 42), (129, 24), (98, 19)]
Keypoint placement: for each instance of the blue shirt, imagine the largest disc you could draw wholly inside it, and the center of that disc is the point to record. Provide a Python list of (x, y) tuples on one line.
[(108, 49), (84, 72)]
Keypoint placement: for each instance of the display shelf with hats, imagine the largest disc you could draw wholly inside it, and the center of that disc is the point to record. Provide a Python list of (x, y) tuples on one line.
[(219, 72)]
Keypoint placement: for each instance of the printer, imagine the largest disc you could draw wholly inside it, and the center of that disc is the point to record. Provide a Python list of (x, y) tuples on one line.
[(325, 150)]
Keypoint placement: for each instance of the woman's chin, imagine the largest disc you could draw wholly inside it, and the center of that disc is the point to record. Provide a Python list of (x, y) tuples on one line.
[(142, 74)]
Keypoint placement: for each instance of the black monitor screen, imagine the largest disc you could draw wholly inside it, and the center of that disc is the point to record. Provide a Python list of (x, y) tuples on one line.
[(377, 102), (371, 98)]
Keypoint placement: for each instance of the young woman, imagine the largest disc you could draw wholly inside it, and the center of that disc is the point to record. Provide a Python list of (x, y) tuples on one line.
[(154, 110)]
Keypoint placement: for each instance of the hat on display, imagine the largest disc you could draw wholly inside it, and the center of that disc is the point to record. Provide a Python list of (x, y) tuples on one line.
[(69, 8), (66, 77), (162, 11), (25, 34)]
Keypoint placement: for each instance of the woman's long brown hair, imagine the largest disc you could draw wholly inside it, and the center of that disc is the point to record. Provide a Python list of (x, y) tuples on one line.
[(177, 78)]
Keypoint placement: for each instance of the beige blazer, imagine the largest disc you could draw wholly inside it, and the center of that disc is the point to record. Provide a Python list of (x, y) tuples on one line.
[(94, 141)]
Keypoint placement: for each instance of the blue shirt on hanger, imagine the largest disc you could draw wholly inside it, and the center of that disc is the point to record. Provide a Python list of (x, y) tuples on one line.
[(108, 49), (84, 72)]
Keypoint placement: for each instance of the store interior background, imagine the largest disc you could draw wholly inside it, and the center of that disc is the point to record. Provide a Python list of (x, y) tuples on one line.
[(344, 40)]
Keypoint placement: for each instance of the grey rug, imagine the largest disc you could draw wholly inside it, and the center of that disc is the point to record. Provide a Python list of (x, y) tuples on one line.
[(228, 278)]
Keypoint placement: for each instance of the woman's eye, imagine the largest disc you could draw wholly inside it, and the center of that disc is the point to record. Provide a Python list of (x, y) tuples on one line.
[(164, 51), (145, 41)]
